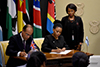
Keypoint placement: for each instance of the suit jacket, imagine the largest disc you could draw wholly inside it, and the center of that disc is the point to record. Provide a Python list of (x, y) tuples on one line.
[(15, 45), (75, 28)]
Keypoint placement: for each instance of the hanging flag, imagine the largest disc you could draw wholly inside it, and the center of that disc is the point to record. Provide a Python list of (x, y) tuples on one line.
[(51, 16), (23, 14), (11, 18), (87, 41), (37, 19), (1, 36)]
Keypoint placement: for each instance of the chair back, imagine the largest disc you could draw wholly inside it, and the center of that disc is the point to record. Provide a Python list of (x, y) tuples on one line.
[(38, 42), (4, 57)]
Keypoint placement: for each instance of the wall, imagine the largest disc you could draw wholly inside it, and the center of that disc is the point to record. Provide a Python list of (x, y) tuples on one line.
[(91, 12)]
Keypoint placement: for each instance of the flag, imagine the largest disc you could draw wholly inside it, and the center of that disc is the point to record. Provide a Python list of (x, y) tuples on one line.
[(87, 41), (23, 14), (1, 36), (50, 16), (1, 39), (11, 18), (33, 45), (37, 19)]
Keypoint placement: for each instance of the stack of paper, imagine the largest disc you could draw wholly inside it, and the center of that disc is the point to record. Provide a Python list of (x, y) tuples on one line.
[(64, 52)]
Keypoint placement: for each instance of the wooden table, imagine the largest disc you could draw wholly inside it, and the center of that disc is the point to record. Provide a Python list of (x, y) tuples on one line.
[(58, 60), (61, 56), (61, 60)]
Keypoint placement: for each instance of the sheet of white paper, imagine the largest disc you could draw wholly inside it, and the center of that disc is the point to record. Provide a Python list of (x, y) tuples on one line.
[(64, 52)]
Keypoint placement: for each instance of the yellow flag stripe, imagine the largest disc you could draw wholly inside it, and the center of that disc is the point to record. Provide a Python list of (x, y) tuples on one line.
[(20, 21), (51, 18), (20, 1)]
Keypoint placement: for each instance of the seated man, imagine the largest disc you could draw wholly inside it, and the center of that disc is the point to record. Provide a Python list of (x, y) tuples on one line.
[(17, 47), (80, 59), (55, 42)]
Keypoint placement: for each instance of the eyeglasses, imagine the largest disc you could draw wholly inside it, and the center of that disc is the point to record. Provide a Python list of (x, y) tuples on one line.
[(28, 34)]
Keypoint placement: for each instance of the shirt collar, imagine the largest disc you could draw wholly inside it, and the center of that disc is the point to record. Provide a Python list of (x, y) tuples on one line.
[(21, 36)]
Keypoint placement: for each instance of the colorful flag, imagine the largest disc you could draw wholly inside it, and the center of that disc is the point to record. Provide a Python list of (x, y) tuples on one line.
[(1, 36), (11, 18), (37, 19), (87, 41), (33, 45), (15, 24), (51, 16), (23, 14)]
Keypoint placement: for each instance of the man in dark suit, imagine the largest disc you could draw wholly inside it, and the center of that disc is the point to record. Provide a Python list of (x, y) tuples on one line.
[(16, 46)]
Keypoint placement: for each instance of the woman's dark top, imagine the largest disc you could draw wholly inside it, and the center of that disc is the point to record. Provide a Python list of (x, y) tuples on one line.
[(51, 43), (72, 29)]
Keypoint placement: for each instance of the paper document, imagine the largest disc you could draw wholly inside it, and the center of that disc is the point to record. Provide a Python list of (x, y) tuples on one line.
[(64, 52)]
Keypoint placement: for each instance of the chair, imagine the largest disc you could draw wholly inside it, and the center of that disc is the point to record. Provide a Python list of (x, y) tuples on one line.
[(4, 44), (94, 61), (39, 42)]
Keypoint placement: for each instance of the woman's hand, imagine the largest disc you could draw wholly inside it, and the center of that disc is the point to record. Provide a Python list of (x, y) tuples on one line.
[(63, 49), (59, 50), (79, 46)]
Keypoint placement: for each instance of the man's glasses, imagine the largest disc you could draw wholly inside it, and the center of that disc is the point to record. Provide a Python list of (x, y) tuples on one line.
[(28, 34)]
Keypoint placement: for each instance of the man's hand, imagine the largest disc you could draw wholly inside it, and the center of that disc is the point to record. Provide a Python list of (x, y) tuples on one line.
[(23, 54)]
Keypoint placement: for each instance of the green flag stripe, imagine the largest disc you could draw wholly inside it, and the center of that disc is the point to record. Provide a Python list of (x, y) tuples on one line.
[(38, 33), (9, 24)]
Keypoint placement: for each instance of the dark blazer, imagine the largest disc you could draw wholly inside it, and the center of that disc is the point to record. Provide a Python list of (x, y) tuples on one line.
[(15, 45), (75, 28), (51, 43)]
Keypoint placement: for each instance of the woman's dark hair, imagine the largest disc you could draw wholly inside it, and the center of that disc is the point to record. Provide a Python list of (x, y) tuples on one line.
[(36, 59), (57, 23), (80, 59), (71, 6)]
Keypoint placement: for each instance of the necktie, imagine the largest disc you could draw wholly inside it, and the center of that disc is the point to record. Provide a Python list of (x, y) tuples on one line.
[(24, 43)]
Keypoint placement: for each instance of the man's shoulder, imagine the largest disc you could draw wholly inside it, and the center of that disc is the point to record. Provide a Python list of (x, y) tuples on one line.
[(15, 36)]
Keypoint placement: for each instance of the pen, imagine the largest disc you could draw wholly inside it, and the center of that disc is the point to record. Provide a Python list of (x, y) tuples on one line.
[(57, 47)]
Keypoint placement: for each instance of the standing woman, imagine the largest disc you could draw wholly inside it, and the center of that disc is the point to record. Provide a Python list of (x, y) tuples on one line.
[(73, 31)]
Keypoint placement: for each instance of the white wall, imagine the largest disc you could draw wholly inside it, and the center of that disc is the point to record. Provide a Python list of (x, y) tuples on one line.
[(91, 12)]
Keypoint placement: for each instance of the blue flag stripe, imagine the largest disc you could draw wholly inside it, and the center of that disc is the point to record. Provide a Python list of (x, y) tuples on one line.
[(36, 3), (14, 1), (50, 26)]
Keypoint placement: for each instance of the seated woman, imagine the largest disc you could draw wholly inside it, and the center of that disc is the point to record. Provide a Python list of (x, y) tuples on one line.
[(55, 42), (80, 59)]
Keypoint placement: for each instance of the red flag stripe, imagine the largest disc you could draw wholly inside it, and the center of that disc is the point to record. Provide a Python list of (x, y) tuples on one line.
[(51, 9), (22, 7), (37, 14)]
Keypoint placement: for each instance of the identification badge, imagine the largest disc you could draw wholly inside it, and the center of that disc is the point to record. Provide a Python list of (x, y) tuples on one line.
[(72, 37)]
